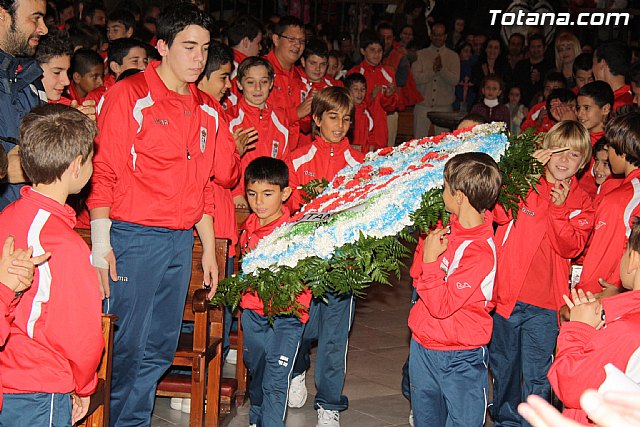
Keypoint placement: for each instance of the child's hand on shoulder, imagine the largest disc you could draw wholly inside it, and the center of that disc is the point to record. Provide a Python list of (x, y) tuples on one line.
[(389, 89), (585, 308), (435, 244), (560, 192)]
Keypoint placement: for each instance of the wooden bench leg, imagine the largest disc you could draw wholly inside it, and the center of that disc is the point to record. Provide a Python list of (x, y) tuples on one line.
[(214, 376)]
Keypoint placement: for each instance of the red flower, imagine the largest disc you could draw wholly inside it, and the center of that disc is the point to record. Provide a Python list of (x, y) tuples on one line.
[(385, 151), (338, 181), (429, 156), (353, 183), (385, 171)]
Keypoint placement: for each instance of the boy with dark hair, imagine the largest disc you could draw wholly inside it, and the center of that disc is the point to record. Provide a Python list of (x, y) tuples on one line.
[(552, 227), (450, 322), (331, 317), (363, 131), (54, 57), (87, 72), (270, 347), (611, 64), (158, 144), (120, 25), (335, 69), (289, 41), (51, 358), (95, 14), (214, 81), (244, 36), (561, 105), (266, 123), (538, 116), (380, 83), (595, 103), (582, 70), (600, 274), (124, 54), (599, 333)]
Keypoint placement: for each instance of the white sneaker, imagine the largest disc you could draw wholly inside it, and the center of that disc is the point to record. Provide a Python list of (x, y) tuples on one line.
[(297, 392), (232, 357), (176, 403), (186, 406), (411, 418), (328, 418)]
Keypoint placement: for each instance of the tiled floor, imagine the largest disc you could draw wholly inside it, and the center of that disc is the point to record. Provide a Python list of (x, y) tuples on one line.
[(378, 347)]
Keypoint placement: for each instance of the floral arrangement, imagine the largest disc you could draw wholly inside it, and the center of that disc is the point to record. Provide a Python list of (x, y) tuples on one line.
[(347, 237)]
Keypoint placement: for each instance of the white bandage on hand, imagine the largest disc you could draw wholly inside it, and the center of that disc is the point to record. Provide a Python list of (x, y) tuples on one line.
[(100, 242)]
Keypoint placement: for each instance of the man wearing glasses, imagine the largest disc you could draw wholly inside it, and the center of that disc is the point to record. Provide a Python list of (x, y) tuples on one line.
[(288, 44)]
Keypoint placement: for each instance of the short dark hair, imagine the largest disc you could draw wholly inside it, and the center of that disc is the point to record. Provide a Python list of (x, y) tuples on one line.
[(56, 43), (583, 62), (477, 176), (518, 35), (286, 22), (634, 73), (354, 78), (124, 17), (384, 26), (369, 37), (537, 37), (219, 54), (243, 26), (85, 36), (493, 78), (600, 145), (120, 48), (617, 55), (315, 47), (254, 61), (600, 92), (51, 137), (555, 76), (623, 135), (83, 60), (90, 9), (269, 170), (473, 117), (177, 17)]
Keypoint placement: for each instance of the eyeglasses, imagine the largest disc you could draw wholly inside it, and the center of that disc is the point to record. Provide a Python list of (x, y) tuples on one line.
[(293, 40)]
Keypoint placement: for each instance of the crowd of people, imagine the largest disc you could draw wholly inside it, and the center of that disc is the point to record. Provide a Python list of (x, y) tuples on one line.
[(175, 121)]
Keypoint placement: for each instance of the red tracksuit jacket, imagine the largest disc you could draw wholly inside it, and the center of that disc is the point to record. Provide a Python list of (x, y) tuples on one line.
[(364, 134), (97, 94), (583, 352), (8, 301), (273, 133), (534, 251), (612, 227), (251, 233), (456, 290), (56, 341), (286, 94), (235, 94), (156, 154), (320, 159), (224, 224), (307, 87), (623, 96)]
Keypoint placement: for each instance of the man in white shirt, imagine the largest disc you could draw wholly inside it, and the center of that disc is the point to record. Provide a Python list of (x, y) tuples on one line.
[(436, 72)]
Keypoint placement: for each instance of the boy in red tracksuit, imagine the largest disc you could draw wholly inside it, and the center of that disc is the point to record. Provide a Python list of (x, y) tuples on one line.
[(595, 100), (124, 54), (364, 128), (331, 316), (381, 84), (244, 37), (254, 112), (616, 209), (314, 60), (534, 253), (288, 44), (599, 332), (56, 343), (330, 150), (86, 74), (270, 348), (157, 152), (450, 322)]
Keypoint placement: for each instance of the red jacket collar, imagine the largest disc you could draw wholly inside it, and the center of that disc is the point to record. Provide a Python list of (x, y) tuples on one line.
[(242, 103), (255, 230), (238, 56), (325, 145), (633, 174), (64, 212), (484, 230), (159, 90), (619, 305), (277, 67)]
